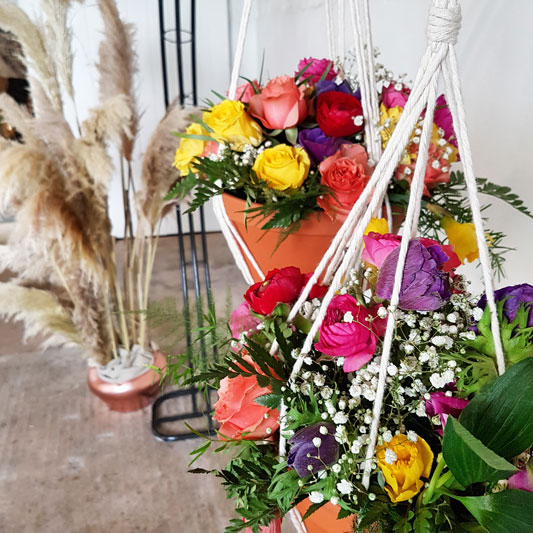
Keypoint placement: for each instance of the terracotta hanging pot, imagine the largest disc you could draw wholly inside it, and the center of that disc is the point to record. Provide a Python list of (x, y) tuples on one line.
[(303, 248), (325, 519), (131, 395)]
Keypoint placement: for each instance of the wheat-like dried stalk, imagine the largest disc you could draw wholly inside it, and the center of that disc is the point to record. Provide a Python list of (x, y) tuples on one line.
[(37, 58), (41, 312), (117, 66)]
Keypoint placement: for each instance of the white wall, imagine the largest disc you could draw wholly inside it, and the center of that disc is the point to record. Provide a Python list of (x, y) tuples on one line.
[(494, 50)]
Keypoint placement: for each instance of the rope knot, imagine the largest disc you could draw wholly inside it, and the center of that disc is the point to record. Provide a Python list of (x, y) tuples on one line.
[(444, 24)]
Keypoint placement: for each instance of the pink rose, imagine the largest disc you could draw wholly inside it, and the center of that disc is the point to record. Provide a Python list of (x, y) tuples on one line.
[(280, 105), (242, 320), (316, 70), (246, 91), (239, 416), (391, 97), (378, 247), (442, 405), (346, 173), (346, 332)]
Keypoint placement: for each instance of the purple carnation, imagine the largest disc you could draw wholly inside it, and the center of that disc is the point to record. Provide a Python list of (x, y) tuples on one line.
[(514, 296), (305, 457), (326, 86), (318, 145), (425, 287)]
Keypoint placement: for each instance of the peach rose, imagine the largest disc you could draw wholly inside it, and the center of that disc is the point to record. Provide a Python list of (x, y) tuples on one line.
[(346, 173), (280, 105), (245, 91), (239, 416)]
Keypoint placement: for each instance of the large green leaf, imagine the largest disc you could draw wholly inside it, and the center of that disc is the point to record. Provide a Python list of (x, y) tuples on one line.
[(501, 415), (511, 510), (469, 460)]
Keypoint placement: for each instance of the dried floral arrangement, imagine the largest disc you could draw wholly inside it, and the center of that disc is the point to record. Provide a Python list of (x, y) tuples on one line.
[(67, 284)]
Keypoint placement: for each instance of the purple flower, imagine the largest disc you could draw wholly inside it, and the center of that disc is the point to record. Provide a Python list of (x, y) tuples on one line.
[(514, 296), (326, 86), (425, 287), (442, 405), (318, 145), (523, 480), (305, 456)]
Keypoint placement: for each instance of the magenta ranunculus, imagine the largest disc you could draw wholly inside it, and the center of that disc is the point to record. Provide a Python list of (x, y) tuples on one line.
[(317, 69), (425, 286), (442, 405), (523, 480), (443, 119), (392, 97), (242, 320), (346, 332)]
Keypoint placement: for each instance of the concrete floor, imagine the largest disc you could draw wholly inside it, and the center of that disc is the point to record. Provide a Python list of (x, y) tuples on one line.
[(69, 465)]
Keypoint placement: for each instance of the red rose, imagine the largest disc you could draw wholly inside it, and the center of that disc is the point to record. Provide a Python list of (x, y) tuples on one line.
[(335, 113), (280, 286), (346, 173)]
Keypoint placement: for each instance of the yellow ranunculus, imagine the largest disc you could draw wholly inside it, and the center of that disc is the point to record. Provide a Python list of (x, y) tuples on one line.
[(403, 462), (282, 167), (230, 123), (462, 237), (377, 225), (189, 149)]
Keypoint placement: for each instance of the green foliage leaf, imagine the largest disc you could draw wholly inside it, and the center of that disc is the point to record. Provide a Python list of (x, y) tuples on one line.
[(510, 510), (468, 459), (423, 522), (270, 401), (312, 509), (182, 187), (292, 135), (501, 415), (503, 193)]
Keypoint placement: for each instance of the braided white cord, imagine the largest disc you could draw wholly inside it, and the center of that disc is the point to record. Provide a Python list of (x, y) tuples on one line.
[(329, 26), (340, 30), (415, 200), (239, 49), (455, 100)]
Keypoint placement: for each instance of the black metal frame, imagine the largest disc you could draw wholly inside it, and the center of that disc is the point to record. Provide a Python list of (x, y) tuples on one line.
[(192, 393)]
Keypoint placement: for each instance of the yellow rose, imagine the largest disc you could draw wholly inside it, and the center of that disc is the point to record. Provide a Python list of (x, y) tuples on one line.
[(282, 167), (189, 149), (230, 123), (403, 463), (377, 225), (462, 237)]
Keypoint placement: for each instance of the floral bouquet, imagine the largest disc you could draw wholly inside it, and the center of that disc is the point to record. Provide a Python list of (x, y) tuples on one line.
[(454, 438), (295, 147)]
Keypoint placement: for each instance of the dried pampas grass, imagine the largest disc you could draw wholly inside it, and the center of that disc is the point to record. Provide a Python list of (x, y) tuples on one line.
[(158, 175), (118, 66), (32, 40)]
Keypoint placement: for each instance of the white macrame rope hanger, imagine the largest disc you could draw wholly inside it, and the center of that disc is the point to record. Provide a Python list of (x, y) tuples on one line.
[(443, 26), (235, 242)]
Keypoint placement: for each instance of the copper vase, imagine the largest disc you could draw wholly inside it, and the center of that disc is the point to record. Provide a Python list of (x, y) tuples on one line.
[(131, 395)]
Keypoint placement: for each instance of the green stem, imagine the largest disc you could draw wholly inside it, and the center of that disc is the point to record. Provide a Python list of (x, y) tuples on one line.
[(428, 493)]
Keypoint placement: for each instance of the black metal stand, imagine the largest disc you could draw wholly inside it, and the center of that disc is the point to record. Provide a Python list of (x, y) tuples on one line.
[(201, 406)]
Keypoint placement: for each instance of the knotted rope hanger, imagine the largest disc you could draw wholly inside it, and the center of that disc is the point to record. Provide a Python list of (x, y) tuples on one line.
[(443, 27)]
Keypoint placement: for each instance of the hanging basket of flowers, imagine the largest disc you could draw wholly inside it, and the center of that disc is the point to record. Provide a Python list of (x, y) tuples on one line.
[(377, 388)]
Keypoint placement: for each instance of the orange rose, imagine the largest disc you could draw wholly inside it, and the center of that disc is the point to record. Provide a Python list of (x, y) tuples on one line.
[(346, 173), (280, 105), (239, 416)]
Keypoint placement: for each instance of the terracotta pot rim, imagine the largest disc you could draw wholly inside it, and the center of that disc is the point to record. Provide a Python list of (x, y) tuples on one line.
[(316, 224)]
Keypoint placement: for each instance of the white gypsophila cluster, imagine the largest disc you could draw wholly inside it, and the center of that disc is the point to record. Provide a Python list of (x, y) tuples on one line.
[(249, 154)]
